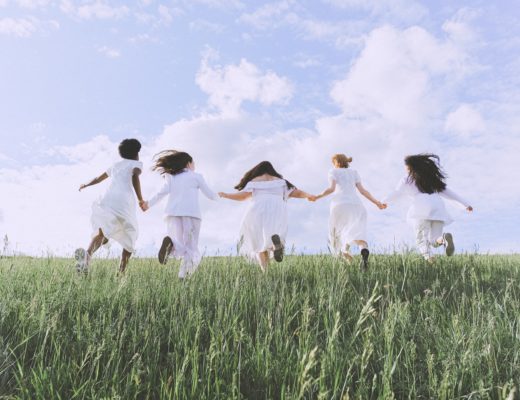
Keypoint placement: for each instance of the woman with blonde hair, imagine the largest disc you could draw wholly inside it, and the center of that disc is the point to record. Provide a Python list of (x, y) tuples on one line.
[(348, 216)]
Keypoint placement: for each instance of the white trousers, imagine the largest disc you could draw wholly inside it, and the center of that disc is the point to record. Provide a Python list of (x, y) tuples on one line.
[(184, 233), (427, 232)]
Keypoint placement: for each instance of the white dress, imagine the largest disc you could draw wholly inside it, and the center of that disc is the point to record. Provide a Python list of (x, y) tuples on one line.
[(348, 216), (183, 216), (266, 216), (115, 213)]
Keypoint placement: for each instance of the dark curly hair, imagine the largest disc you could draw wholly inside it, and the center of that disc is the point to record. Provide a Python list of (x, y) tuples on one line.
[(265, 167), (171, 162), (129, 149), (426, 173)]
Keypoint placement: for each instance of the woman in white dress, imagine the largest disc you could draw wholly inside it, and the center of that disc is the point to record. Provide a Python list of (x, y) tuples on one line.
[(264, 226), (426, 186), (348, 217), (182, 212), (114, 215)]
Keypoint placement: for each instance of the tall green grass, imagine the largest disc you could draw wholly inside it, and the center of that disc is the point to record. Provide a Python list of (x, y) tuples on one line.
[(312, 327)]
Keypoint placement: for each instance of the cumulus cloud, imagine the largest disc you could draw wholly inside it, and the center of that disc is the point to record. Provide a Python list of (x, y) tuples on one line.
[(109, 52), (97, 9), (465, 121), (25, 27), (229, 86)]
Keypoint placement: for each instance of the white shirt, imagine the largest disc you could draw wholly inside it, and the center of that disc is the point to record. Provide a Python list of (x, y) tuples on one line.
[(183, 194), (425, 206), (346, 191)]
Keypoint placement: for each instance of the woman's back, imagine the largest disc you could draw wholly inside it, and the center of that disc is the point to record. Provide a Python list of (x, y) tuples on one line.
[(346, 180)]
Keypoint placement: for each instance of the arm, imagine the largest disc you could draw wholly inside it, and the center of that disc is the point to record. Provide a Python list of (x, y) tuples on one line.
[(94, 181), (137, 185), (204, 188), (165, 189), (300, 194), (327, 191), (240, 196), (451, 195), (367, 194), (399, 192)]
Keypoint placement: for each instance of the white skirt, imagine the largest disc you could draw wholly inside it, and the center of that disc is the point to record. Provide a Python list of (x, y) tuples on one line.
[(265, 217), (115, 225), (347, 222)]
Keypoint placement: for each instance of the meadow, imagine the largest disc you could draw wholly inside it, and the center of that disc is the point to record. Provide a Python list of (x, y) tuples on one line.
[(311, 328)]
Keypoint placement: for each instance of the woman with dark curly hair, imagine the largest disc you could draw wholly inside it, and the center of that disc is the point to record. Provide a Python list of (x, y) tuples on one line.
[(426, 185)]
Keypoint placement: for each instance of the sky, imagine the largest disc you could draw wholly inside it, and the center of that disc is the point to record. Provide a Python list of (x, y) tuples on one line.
[(235, 82)]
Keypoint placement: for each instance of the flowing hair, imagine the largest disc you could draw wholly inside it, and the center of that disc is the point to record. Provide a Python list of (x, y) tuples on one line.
[(342, 160), (171, 162), (265, 167), (426, 173)]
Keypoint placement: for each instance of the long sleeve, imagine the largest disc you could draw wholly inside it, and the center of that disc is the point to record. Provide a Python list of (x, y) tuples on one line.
[(204, 188), (400, 191), (451, 195), (160, 194)]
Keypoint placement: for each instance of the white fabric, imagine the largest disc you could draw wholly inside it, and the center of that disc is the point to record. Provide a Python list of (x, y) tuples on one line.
[(183, 194), (346, 191), (265, 216), (425, 206), (184, 232), (347, 223), (115, 213), (427, 232)]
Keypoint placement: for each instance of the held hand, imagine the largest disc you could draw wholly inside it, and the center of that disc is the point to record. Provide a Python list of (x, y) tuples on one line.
[(312, 198), (83, 186), (222, 195), (144, 205), (381, 206), (469, 209)]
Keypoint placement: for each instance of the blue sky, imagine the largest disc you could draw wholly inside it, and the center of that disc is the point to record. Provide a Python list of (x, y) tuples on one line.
[(235, 82)]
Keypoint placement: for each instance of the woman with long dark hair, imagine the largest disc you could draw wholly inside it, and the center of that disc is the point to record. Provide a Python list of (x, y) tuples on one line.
[(264, 226), (426, 185), (182, 212)]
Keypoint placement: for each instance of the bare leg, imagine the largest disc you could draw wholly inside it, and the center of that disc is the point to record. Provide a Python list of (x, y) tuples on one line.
[(96, 242), (263, 260), (125, 256)]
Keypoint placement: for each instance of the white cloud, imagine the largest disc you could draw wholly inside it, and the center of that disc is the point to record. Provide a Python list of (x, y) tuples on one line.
[(465, 121), (265, 16), (225, 4), (204, 25), (109, 52), (32, 4), (229, 86), (402, 10), (394, 76), (97, 9), (25, 27), (459, 27)]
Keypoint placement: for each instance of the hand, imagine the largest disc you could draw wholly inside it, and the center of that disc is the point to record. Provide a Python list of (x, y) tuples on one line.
[(469, 208), (222, 194), (83, 186), (144, 205), (312, 198), (381, 206)]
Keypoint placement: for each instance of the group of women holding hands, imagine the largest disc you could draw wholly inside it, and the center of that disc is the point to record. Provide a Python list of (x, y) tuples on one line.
[(264, 225)]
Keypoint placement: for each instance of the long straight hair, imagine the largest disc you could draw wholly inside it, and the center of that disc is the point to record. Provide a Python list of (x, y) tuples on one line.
[(426, 173), (265, 167), (171, 162)]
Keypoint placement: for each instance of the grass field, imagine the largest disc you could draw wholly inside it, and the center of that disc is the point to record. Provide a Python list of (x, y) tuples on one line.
[(312, 327)]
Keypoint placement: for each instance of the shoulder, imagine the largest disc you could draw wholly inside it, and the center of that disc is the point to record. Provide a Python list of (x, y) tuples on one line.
[(266, 184)]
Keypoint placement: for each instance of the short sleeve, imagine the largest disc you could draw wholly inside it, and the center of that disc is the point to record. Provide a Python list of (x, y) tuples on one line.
[(248, 188), (109, 171), (138, 165), (357, 178), (332, 176)]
